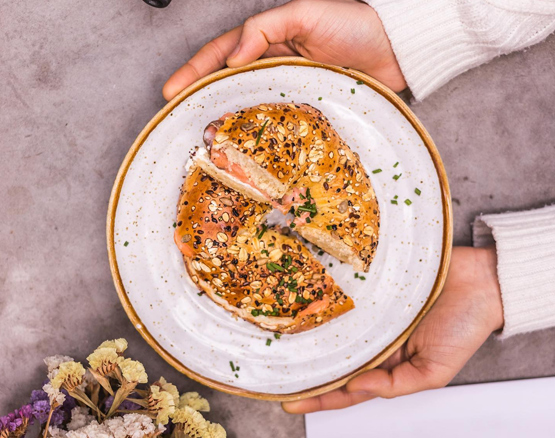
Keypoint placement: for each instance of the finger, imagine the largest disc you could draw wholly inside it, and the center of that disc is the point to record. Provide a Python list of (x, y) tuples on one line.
[(274, 26), (210, 58), (337, 399), (279, 50), (411, 376)]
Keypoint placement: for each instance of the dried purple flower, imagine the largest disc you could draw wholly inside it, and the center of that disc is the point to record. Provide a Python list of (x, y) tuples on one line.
[(41, 408), (69, 402), (16, 422), (38, 396), (58, 417), (126, 405)]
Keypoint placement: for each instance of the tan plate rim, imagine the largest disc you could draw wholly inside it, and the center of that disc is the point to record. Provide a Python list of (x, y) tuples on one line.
[(258, 65)]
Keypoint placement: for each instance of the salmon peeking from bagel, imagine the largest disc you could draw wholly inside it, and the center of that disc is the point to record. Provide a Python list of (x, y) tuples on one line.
[(289, 156)]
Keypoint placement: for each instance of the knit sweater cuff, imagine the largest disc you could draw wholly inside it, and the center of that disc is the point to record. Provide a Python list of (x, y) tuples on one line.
[(428, 40), (525, 244), (436, 40)]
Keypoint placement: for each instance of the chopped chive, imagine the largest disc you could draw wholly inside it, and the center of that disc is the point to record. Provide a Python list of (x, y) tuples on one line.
[(264, 228), (282, 94), (356, 274), (268, 342), (232, 366), (395, 197), (273, 267), (319, 98), (393, 201), (352, 91), (408, 201), (200, 294), (174, 225), (255, 312), (362, 277), (396, 177), (236, 375), (417, 191), (309, 209), (396, 164), (292, 225), (360, 82), (294, 269), (237, 368), (277, 335), (331, 265), (259, 136), (376, 170), (126, 243), (219, 294)]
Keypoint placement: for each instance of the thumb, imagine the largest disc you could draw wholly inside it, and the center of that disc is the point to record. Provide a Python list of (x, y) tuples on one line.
[(414, 375), (259, 31)]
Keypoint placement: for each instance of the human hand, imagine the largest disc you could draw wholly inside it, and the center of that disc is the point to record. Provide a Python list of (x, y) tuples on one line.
[(468, 310), (347, 33)]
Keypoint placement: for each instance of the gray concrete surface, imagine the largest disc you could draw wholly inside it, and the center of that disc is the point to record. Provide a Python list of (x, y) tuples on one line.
[(80, 80)]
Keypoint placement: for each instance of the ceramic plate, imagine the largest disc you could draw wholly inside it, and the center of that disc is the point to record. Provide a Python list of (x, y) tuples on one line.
[(198, 337)]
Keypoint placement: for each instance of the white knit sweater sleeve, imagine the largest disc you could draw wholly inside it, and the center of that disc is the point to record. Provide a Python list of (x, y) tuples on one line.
[(436, 40), (525, 243)]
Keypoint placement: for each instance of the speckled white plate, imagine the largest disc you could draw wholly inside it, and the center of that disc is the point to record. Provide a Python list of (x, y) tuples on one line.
[(198, 337)]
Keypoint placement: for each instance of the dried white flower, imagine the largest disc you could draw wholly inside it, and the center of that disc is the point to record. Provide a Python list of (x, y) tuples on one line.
[(92, 430), (56, 397), (54, 432), (53, 363), (132, 426), (80, 417)]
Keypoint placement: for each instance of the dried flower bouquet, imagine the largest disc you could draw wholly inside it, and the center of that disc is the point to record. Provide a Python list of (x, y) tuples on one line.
[(109, 400)]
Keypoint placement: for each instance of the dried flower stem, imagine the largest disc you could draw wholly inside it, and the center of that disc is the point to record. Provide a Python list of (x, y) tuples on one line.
[(103, 380), (122, 393), (47, 425), (79, 395)]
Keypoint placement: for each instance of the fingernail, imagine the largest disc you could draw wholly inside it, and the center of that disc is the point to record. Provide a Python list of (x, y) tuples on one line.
[(235, 51)]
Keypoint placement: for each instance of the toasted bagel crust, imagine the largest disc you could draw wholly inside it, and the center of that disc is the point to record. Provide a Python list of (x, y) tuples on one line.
[(298, 150), (257, 273)]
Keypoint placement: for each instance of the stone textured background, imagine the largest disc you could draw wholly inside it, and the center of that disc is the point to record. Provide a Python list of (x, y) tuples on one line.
[(80, 80)]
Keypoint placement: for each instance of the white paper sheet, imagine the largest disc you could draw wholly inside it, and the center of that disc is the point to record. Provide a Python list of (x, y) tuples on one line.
[(515, 409)]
